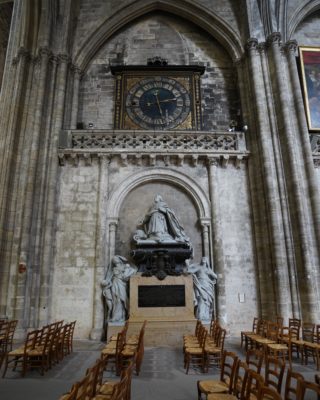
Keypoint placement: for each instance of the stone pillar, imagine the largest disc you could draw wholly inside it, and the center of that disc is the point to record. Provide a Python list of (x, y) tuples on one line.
[(266, 145), (298, 206), (57, 122), (113, 223), (205, 225), (75, 97), (303, 136), (101, 248), (218, 256)]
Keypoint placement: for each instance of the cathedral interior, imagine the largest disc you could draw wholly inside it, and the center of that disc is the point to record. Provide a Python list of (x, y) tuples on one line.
[(211, 104)]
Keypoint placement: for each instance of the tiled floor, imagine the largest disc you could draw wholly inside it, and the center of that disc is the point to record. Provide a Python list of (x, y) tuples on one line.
[(162, 376)]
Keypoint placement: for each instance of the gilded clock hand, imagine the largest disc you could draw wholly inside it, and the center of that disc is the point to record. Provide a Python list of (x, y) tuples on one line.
[(168, 100), (158, 102)]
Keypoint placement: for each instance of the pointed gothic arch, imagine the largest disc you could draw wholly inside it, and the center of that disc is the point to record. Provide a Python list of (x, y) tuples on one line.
[(305, 9), (207, 20)]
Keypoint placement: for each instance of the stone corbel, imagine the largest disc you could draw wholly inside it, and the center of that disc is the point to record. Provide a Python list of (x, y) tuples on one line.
[(238, 161), (225, 160), (87, 159), (75, 159), (180, 159), (152, 160), (62, 159), (194, 160), (124, 159)]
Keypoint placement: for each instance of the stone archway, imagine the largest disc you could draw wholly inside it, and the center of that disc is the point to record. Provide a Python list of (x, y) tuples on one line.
[(187, 190)]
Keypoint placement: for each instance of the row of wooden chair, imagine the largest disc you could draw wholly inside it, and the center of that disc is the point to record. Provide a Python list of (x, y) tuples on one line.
[(121, 349), (284, 341), (204, 348), (94, 387), (7, 329), (42, 348), (243, 380)]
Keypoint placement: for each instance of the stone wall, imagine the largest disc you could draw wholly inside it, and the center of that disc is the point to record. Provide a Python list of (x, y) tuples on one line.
[(180, 43)]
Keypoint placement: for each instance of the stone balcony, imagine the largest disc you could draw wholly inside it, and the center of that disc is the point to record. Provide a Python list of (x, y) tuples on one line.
[(193, 145)]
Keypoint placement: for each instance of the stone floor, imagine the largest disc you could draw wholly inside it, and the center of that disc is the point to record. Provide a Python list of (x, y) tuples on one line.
[(162, 376)]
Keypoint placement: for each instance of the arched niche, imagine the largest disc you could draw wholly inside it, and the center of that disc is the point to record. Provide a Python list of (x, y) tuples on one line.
[(129, 203)]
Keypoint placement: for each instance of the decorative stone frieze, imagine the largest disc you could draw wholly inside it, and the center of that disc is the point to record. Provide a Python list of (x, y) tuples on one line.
[(150, 148)]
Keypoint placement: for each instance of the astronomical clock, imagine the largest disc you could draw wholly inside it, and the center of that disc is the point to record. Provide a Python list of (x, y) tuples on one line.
[(157, 96)]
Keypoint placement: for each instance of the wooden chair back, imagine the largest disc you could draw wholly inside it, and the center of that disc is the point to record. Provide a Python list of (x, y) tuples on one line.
[(229, 362), (267, 392), (274, 371), (308, 390), (254, 382), (307, 331), (254, 359), (292, 382), (240, 379)]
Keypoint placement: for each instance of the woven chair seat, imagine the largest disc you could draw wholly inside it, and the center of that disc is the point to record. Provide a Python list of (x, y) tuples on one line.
[(17, 352), (108, 351), (312, 345), (107, 388), (211, 386), (221, 396)]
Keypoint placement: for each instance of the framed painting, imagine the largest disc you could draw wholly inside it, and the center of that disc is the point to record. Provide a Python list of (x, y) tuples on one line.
[(310, 68)]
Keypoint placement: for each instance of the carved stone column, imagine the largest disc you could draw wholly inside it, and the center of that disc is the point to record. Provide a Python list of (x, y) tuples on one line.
[(205, 225), (277, 260), (303, 136), (298, 206), (113, 223), (218, 256), (75, 97), (101, 249)]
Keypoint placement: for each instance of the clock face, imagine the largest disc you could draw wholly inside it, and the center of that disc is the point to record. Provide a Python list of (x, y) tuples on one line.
[(158, 103)]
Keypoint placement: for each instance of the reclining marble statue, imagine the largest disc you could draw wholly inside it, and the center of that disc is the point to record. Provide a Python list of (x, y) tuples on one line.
[(161, 225), (115, 288), (204, 280)]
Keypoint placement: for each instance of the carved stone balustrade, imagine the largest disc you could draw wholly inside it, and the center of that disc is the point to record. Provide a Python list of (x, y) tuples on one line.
[(191, 145)]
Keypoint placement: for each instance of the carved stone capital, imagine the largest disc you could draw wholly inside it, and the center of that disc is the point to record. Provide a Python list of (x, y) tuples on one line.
[(274, 39), (252, 44), (262, 47), (23, 54), (44, 52), (63, 58), (213, 161), (291, 46), (77, 71)]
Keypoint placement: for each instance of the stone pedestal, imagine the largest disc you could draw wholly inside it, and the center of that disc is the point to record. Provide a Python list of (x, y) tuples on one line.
[(166, 323)]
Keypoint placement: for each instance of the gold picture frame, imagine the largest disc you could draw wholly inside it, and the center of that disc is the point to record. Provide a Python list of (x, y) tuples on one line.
[(310, 71)]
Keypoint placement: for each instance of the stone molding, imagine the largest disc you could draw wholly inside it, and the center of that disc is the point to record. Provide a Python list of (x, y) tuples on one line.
[(148, 147)]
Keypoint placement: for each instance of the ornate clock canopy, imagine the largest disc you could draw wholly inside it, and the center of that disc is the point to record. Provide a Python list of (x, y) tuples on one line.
[(157, 96)]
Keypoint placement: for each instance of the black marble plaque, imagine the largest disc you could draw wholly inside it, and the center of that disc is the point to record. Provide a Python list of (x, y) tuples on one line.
[(161, 296)]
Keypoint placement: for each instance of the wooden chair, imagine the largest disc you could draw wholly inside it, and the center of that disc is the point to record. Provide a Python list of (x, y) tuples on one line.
[(274, 370), (238, 386), (292, 382), (307, 335), (196, 354), (313, 348), (40, 355), (253, 331), (281, 349), (254, 383), (21, 355), (254, 359), (267, 393), (196, 332), (111, 353), (138, 345), (4, 331), (224, 385), (308, 390), (213, 352), (116, 389)]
